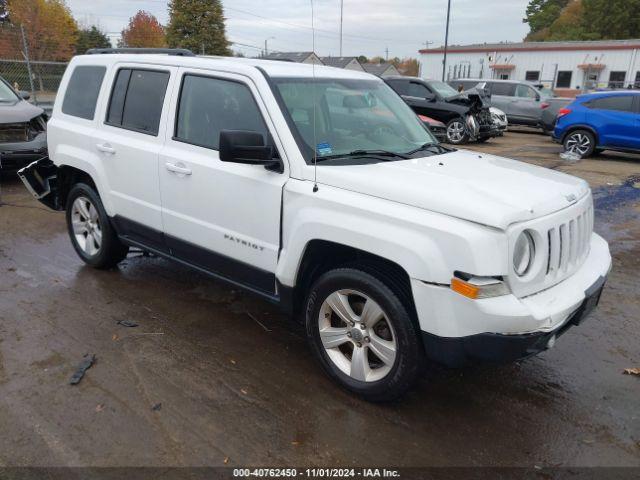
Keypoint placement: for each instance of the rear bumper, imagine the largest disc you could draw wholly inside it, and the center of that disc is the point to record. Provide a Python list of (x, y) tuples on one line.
[(14, 156)]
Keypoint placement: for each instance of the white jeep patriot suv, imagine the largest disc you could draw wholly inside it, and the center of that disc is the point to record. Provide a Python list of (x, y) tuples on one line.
[(319, 189)]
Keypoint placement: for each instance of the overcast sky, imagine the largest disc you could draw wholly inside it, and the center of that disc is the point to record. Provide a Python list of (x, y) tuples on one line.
[(370, 26)]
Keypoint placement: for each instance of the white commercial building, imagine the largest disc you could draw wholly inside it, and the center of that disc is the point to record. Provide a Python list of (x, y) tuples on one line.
[(570, 67)]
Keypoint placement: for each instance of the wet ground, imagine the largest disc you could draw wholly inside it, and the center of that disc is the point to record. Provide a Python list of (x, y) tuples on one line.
[(213, 375)]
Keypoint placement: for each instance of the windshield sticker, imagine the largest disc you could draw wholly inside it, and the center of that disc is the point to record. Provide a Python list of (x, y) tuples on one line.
[(324, 149)]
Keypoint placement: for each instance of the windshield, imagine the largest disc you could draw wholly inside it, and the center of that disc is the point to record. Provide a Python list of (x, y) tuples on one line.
[(444, 89), (338, 117), (6, 93)]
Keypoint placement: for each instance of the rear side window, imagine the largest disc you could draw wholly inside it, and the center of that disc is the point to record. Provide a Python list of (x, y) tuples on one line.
[(418, 90), (399, 86), (209, 105), (621, 103), (82, 91), (136, 100), (506, 89)]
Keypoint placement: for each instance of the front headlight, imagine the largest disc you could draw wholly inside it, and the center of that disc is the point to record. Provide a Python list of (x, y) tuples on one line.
[(523, 253)]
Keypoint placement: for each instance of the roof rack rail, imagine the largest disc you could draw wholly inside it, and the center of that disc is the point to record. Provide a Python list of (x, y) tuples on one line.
[(181, 52)]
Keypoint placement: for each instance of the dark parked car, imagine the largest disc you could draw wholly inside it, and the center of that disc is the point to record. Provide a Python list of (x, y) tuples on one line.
[(600, 121), (22, 129), (550, 109), (466, 115)]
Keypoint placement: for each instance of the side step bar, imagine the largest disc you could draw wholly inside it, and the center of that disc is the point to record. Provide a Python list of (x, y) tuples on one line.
[(41, 179)]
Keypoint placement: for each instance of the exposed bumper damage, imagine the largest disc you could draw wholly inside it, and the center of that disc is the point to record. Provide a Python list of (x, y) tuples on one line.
[(41, 179)]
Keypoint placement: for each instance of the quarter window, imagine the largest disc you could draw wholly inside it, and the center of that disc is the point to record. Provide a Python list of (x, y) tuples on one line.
[(137, 99), (209, 105), (82, 91)]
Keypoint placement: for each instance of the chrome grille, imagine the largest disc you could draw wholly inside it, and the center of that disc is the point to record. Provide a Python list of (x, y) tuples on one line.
[(569, 243)]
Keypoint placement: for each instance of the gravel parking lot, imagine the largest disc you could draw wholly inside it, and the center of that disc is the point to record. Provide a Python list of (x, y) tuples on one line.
[(213, 376)]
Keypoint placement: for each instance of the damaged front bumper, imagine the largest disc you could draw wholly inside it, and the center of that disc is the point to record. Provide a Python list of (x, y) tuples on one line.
[(15, 155), (41, 179)]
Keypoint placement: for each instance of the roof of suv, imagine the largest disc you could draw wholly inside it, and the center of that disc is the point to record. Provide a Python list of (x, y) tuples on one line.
[(230, 64)]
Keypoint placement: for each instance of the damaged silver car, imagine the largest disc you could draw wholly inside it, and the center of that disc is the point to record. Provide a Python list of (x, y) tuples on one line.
[(22, 129)]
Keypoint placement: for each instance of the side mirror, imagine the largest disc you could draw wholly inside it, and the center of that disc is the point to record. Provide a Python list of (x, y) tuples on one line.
[(243, 146), (25, 95)]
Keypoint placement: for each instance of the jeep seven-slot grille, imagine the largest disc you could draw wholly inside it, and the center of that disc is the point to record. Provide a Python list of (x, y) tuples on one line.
[(14, 132), (569, 243)]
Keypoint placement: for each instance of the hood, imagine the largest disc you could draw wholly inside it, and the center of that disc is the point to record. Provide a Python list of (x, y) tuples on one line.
[(480, 188), (18, 112), (471, 97)]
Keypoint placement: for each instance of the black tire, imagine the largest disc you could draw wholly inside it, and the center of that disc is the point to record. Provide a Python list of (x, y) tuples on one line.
[(581, 141), (483, 140), (110, 251), (409, 356), (454, 125)]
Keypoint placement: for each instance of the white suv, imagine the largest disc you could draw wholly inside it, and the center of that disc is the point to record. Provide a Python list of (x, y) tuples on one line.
[(320, 190)]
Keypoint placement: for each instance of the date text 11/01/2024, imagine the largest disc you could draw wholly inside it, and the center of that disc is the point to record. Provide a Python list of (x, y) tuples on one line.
[(316, 473)]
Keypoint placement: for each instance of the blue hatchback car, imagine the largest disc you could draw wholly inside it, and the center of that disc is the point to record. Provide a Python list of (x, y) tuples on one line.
[(600, 121)]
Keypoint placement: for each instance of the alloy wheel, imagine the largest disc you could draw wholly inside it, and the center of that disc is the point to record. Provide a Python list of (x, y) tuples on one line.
[(357, 335), (578, 143), (455, 132), (86, 226)]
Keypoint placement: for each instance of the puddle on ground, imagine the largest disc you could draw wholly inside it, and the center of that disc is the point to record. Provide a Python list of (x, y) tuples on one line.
[(615, 214)]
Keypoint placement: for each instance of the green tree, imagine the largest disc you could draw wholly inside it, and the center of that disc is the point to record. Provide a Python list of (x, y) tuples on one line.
[(197, 25), (612, 19), (91, 38), (540, 15), (570, 25), (363, 59)]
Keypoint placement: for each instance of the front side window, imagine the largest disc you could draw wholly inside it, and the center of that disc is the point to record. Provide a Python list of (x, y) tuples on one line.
[(209, 105), (137, 99), (337, 117), (524, 91), (82, 92), (418, 90)]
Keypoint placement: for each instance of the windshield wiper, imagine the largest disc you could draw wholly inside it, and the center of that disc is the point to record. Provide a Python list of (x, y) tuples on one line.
[(379, 154), (429, 146)]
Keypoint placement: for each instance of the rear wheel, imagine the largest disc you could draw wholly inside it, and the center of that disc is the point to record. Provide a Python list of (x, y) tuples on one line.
[(457, 132), (363, 334), (581, 142), (90, 230)]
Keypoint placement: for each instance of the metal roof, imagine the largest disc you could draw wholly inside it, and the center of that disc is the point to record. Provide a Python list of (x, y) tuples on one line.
[(535, 46)]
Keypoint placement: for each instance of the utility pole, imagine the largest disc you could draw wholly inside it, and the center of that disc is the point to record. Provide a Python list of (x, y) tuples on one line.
[(446, 40), (266, 50), (28, 60), (386, 53), (427, 43), (341, 17)]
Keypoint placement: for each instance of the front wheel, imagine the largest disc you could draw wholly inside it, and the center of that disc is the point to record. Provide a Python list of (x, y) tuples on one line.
[(362, 334), (92, 235), (581, 142), (457, 132)]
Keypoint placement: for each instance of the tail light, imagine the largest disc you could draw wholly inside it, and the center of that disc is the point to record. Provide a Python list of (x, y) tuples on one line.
[(563, 111), (544, 105)]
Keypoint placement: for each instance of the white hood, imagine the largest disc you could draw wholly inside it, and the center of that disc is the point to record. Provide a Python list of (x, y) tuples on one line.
[(481, 188)]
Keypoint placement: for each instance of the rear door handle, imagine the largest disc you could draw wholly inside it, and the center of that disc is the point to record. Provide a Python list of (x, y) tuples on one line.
[(172, 167), (105, 148)]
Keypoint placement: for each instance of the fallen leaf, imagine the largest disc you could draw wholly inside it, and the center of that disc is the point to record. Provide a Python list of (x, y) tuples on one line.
[(295, 443), (114, 337), (232, 361), (99, 407), (632, 371), (226, 460), (243, 391)]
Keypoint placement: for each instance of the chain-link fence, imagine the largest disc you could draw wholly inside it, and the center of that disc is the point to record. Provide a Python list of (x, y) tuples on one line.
[(28, 68)]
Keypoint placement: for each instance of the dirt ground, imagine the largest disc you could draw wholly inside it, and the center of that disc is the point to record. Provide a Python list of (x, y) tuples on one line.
[(212, 374)]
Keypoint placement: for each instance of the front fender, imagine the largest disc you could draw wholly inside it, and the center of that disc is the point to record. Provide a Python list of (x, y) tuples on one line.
[(427, 245)]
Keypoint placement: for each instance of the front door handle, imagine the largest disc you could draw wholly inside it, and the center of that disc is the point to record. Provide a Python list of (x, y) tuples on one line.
[(181, 169), (106, 148)]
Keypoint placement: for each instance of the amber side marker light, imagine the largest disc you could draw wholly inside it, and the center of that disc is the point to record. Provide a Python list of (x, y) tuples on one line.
[(464, 288)]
